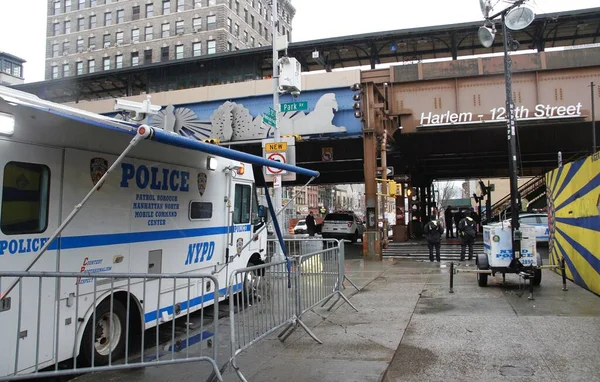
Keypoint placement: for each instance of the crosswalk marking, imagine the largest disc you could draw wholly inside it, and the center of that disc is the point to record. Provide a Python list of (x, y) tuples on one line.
[(420, 251)]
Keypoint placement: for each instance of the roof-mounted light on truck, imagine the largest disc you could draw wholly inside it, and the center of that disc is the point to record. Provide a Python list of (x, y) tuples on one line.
[(211, 163), (7, 124), (241, 169)]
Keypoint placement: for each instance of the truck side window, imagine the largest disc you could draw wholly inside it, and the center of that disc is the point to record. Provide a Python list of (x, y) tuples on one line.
[(241, 205), (25, 194), (201, 210)]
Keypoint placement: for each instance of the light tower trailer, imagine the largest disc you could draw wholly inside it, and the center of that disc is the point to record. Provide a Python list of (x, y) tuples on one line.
[(81, 192), (497, 257)]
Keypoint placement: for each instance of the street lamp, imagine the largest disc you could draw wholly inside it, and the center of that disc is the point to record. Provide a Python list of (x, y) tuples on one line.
[(516, 17)]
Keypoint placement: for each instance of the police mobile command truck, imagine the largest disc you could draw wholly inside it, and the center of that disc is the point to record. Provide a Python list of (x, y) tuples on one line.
[(170, 205)]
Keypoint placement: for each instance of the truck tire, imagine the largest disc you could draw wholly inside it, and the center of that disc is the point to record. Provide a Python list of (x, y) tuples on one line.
[(109, 335), (482, 279), (537, 277)]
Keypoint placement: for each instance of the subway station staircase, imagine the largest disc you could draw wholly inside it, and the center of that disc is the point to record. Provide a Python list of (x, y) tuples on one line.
[(534, 191)]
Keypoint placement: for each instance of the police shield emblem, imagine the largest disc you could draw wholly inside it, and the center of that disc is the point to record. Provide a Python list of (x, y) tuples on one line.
[(202, 179), (98, 167), (239, 244)]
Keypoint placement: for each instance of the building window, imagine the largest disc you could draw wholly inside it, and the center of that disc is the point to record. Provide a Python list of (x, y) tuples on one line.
[(92, 22), (211, 23), (252, 3), (246, 37), (54, 50), (260, 28), (212, 2), (106, 41), (246, 16), (79, 68), (79, 45), (164, 30), (252, 41), (252, 22), (164, 53), (67, 27), (107, 19), (106, 63), (266, 34), (211, 47), (68, 5), (135, 59), (236, 30), (180, 5), (197, 3), (135, 35), (66, 46), (237, 7), (229, 46), (93, 3), (148, 56), (80, 24), (179, 52), (201, 210), (92, 42), (91, 66), (197, 49), (166, 7), (54, 72), (119, 38), (197, 24), (179, 28), (260, 8), (25, 196), (229, 25), (57, 7), (119, 61), (120, 16), (55, 29), (81, 4), (66, 70), (135, 13), (148, 33), (149, 10)]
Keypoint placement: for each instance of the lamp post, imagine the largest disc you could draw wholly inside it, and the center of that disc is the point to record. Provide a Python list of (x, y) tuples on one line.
[(518, 17)]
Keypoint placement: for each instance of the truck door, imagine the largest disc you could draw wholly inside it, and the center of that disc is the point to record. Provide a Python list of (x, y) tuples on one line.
[(241, 220), (30, 187)]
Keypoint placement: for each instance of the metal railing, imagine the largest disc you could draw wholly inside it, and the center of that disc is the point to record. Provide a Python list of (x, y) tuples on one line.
[(57, 323), (524, 190), (265, 298)]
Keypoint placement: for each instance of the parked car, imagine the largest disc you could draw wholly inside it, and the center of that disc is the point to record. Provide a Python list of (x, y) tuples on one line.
[(300, 227), (539, 221), (342, 225)]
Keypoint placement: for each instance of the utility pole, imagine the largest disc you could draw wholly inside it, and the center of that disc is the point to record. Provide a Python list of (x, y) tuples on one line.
[(594, 147), (277, 191), (384, 190)]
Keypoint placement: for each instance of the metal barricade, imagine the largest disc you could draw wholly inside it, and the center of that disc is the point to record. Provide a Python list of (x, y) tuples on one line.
[(57, 323), (266, 298)]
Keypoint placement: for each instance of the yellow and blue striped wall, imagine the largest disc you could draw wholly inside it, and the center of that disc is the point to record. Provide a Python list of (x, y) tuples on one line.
[(573, 193)]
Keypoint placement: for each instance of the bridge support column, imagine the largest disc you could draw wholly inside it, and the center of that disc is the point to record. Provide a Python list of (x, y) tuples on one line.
[(371, 239)]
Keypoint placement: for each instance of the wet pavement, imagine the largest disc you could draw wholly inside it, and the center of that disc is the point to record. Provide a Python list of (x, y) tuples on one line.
[(409, 328)]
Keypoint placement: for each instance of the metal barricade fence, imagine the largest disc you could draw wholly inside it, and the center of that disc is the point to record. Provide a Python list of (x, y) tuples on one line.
[(58, 323), (277, 294)]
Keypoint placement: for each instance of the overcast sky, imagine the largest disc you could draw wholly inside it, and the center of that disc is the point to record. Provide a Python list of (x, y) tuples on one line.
[(23, 22)]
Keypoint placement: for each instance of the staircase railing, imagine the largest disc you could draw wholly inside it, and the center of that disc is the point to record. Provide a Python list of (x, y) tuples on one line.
[(524, 190)]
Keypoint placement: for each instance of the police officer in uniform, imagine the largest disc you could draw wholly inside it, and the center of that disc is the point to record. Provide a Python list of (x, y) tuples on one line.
[(467, 229), (433, 233)]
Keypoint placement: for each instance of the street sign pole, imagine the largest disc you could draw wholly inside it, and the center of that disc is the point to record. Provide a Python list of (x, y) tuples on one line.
[(277, 191)]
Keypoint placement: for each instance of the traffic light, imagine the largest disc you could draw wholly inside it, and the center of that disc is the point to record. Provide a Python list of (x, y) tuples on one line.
[(211, 140), (392, 188), (357, 97)]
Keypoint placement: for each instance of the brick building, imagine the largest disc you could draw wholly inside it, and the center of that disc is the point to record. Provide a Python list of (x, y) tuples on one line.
[(86, 36)]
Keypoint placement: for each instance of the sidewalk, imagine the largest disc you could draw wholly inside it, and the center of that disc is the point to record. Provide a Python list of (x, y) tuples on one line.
[(408, 321)]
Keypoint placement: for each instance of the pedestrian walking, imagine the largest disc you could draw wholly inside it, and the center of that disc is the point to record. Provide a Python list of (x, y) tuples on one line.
[(467, 230), (433, 233), (311, 227), (457, 217), (448, 221)]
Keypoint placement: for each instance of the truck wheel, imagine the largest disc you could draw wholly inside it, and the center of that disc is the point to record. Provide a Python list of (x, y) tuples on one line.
[(482, 279), (109, 335), (252, 280), (537, 277)]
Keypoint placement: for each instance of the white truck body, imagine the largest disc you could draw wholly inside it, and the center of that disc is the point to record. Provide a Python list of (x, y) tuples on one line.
[(497, 245), (161, 211)]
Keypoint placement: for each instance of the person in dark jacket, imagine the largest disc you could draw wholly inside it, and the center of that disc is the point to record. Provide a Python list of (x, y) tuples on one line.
[(457, 217), (467, 230), (433, 233), (448, 221), (311, 226)]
